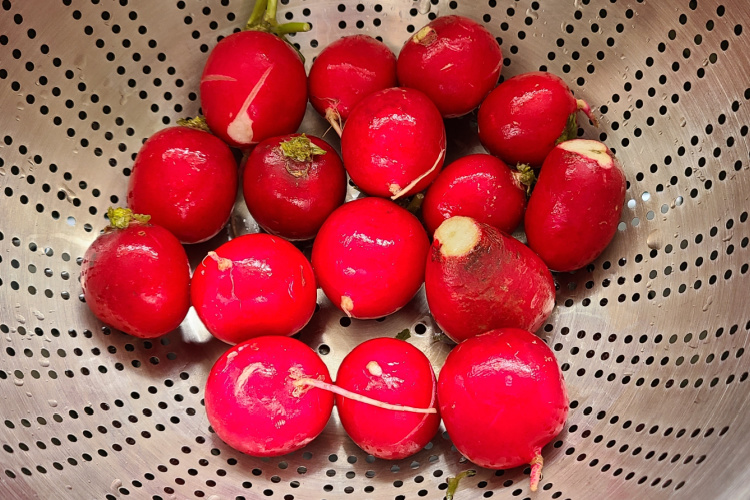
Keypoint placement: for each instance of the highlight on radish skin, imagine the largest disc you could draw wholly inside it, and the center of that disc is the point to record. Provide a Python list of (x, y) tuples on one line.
[(392, 372), (253, 403), (502, 415)]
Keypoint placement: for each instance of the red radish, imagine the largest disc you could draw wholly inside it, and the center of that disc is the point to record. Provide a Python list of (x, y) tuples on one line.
[(394, 143), (576, 204), (254, 404), (479, 186), (254, 285), (254, 84), (454, 60), (502, 398), (369, 257), (478, 279), (393, 371), (136, 277), (292, 184), (527, 115), (345, 72), (186, 179)]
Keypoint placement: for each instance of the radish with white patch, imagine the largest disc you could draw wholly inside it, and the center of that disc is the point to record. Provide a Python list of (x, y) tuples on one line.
[(502, 398), (393, 144), (454, 60), (391, 371), (576, 204), (347, 71), (369, 257), (253, 400), (527, 115), (254, 84), (478, 279), (479, 186), (254, 285)]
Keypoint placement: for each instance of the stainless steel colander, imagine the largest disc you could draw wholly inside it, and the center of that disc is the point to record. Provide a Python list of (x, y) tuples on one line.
[(651, 337)]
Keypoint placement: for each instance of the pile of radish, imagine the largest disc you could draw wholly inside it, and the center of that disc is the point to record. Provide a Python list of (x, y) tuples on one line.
[(500, 393)]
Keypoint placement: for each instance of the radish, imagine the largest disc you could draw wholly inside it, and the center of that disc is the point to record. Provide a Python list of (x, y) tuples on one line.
[(292, 183), (479, 186), (454, 60), (393, 143), (527, 115), (345, 72), (478, 279), (254, 285), (186, 179), (254, 84), (576, 204), (392, 371), (369, 257), (254, 404), (136, 277), (502, 398)]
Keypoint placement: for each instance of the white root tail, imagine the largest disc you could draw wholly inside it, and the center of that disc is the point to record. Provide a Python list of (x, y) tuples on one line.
[(309, 382)]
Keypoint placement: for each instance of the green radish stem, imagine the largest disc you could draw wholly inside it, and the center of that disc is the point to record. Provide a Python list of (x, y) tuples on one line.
[(197, 123), (536, 469), (263, 18), (120, 218), (301, 148), (525, 175), (301, 383), (453, 482)]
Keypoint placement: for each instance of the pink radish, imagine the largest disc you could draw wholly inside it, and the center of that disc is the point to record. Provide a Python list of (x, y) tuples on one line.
[(186, 179), (345, 72), (254, 84), (502, 398), (454, 60), (478, 279), (369, 257), (392, 371), (479, 186), (254, 285), (254, 403), (394, 143), (292, 183), (136, 277), (576, 204), (527, 115)]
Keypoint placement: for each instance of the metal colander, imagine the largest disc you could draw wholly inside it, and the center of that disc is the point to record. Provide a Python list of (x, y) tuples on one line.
[(651, 337)]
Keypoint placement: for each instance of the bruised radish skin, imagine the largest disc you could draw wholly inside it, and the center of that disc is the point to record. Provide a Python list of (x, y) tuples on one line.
[(392, 371), (369, 257), (253, 87), (253, 403), (478, 279), (393, 144), (502, 398), (292, 183), (576, 204), (254, 285), (479, 186), (347, 71), (454, 60), (186, 179), (136, 277), (527, 115)]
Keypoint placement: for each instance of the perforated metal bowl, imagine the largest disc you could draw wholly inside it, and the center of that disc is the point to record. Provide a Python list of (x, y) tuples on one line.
[(651, 336)]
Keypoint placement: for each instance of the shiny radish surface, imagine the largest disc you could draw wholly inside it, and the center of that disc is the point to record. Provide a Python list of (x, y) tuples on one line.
[(650, 336), (186, 180)]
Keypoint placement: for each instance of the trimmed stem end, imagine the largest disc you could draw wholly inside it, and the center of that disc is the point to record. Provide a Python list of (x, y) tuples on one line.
[(457, 236), (120, 218)]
